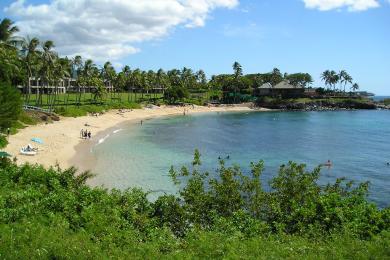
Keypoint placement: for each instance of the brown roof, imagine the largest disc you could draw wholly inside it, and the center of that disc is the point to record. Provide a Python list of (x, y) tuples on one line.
[(285, 85)]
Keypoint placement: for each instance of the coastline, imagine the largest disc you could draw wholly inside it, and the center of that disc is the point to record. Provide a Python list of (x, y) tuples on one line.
[(62, 138)]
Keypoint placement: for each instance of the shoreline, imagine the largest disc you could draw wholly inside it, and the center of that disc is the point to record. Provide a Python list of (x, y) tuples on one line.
[(62, 138)]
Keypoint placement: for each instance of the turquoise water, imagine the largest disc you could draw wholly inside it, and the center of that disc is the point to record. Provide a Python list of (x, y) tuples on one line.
[(357, 142)]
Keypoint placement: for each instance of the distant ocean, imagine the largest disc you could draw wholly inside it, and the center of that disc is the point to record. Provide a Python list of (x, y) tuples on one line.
[(380, 98), (357, 142)]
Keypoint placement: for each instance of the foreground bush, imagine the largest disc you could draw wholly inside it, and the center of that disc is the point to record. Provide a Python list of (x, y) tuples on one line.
[(53, 214)]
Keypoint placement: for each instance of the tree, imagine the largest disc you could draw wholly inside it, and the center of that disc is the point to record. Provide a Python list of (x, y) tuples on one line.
[(7, 30), (10, 105), (31, 56), (46, 71), (344, 78), (173, 94), (276, 77), (11, 68), (331, 78), (61, 70), (325, 76), (99, 90), (355, 87), (237, 75), (161, 80), (300, 79)]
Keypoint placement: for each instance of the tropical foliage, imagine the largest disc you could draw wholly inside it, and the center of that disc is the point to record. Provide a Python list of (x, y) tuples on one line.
[(332, 78), (10, 105), (53, 214), (25, 58)]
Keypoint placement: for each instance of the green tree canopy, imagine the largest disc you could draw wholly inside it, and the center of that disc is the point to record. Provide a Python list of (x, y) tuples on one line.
[(10, 105)]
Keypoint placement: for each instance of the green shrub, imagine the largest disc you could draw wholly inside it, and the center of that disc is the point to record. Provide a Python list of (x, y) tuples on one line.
[(10, 105), (3, 141), (51, 213), (386, 101)]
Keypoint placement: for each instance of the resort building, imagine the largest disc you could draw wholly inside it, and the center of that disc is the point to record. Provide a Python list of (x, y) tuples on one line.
[(35, 86), (283, 89)]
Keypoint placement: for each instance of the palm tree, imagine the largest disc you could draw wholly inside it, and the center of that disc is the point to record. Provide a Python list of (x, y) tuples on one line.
[(161, 80), (108, 73), (344, 78), (331, 78), (136, 81), (202, 81), (46, 73), (77, 64), (237, 68), (152, 82), (7, 30), (30, 52), (326, 77), (60, 71), (355, 87)]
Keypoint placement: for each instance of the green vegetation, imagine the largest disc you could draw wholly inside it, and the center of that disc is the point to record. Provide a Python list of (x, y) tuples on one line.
[(76, 111), (10, 105), (386, 101), (3, 141), (26, 60), (53, 214)]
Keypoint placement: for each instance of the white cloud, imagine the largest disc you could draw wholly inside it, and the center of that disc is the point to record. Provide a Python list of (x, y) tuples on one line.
[(108, 29), (351, 5)]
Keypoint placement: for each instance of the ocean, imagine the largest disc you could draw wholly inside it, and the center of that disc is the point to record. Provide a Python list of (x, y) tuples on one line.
[(357, 142)]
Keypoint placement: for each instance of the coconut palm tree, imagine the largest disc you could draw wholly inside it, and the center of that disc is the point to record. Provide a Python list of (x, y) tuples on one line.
[(60, 71), (152, 82), (136, 82), (334, 79), (237, 68), (344, 78), (355, 87), (326, 77), (108, 74), (46, 71), (161, 80), (7, 30), (126, 81), (30, 52)]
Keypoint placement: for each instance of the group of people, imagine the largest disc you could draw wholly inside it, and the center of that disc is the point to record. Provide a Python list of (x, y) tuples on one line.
[(85, 134)]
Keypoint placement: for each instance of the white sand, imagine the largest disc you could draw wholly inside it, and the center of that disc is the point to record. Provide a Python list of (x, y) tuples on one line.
[(61, 137)]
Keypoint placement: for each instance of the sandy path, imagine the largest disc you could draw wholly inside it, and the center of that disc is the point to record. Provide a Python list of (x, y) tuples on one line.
[(60, 138)]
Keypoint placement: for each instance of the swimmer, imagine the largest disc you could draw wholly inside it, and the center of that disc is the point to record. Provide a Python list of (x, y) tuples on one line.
[(328, 163)]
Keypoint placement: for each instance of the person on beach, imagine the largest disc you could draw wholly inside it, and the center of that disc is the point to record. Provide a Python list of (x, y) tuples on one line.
[(85, 134), (82, 133), (141, 122), (89, 134)]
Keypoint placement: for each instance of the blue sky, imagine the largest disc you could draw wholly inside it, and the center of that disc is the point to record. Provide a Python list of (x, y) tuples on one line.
[(260, 34)]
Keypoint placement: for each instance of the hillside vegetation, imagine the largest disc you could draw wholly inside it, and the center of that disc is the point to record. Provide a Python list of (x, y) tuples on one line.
[(53, 214)]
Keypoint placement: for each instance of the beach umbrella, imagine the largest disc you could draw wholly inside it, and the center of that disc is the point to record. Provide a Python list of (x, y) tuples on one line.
[(4, 154), (37, 140)]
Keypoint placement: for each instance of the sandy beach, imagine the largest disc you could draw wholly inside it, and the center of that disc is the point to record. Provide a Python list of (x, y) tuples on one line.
[(61, 137)]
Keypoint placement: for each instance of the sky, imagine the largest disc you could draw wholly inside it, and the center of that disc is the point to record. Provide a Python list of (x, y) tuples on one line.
[(292, 35)]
